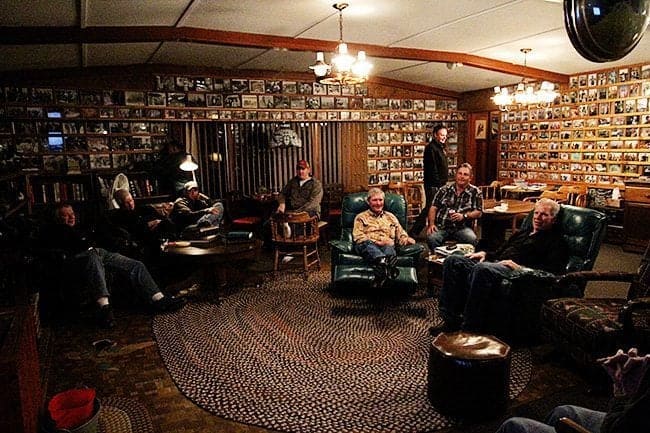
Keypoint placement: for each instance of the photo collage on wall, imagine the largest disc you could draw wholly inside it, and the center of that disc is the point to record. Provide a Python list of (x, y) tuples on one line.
[(597, 133)]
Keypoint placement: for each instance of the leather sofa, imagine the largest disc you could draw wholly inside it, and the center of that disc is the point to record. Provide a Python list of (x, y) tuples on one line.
[(349, 269)]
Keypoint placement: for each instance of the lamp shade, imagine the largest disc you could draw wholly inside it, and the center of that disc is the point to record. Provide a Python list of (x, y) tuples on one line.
[(188, 164)]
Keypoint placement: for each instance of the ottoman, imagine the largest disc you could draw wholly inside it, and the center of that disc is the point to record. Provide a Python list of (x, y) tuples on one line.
[(347, 276), (468, 374)]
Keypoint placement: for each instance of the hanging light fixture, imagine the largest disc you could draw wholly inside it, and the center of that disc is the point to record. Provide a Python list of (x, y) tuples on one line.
[(525, 93), (344, 69)]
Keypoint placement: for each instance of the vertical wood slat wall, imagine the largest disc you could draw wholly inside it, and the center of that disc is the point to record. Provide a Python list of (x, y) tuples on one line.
[(248, 164)]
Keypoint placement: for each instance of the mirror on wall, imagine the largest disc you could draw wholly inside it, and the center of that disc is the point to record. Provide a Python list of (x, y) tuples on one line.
[(605, 30)]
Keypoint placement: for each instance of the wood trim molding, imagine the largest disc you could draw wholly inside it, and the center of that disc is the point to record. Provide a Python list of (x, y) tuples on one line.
[(98, 35)]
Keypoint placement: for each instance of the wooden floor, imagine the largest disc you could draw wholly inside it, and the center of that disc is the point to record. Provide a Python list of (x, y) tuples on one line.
[(133, 369)]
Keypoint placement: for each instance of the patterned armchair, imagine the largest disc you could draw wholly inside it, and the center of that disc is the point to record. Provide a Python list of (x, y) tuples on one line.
[(524, 292), (588, 329), (349, 268)]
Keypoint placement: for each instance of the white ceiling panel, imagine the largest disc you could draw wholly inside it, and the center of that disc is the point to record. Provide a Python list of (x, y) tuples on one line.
[(133, 12), (277, 17), (16, 57), (180, 53), (118, 54), (39, 13)]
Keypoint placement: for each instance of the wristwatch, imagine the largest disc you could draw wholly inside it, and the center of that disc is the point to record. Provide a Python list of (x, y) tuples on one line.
[(465, 215)]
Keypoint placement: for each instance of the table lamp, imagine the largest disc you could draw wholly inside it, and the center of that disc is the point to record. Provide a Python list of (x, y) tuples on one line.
[(188, 164)]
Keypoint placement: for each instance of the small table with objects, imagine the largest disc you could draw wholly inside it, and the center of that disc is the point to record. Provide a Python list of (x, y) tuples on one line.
[(435, 261), (216, 257)]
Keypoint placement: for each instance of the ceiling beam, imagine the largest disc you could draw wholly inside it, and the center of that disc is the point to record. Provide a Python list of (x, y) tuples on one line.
[(101, 35)]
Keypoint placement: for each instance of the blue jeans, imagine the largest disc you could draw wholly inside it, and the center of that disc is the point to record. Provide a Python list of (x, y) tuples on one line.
[(464, 235), (467, 288), (98, 261), (370, 251), (211, 218), (590, 419)]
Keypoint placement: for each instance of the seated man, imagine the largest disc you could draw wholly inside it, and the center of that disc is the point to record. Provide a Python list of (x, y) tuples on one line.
[(375, 233), (453, 210), (194, 208), (627, 412), (144, 224), (94, 262), (470, 281), (303, 193)]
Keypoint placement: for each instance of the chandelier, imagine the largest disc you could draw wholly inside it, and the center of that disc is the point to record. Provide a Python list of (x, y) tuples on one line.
[(525, 93), (344, 68)]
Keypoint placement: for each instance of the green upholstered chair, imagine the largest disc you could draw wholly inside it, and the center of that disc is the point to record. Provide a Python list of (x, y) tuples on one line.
[(588, 329), (517, 309), (348, 268)]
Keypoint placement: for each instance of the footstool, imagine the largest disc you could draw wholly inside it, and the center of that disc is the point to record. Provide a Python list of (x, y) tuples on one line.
[(468, 374), (346, 276)]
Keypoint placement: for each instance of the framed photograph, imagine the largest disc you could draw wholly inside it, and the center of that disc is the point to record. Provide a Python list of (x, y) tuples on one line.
[(133, 98), (305, 88), (239, 86), (249, 101), (214, 100), (289, 87), (256, 86), (156, 99), (320, 89), (265, 101)]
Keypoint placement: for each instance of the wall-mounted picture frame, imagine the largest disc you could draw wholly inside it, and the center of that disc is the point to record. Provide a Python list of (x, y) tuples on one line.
[(480, 131)]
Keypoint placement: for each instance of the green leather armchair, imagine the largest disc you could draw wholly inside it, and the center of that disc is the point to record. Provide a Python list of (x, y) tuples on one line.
[(349, 268), (517, 309)]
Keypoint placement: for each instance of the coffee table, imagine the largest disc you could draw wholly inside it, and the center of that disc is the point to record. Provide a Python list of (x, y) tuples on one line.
[(216, 259)]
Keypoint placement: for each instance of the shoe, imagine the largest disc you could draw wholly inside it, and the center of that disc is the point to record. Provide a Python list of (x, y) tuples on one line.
[(391, 260), (105, 317), (393, 272), (168, 303), (381, 273), (443, 327)]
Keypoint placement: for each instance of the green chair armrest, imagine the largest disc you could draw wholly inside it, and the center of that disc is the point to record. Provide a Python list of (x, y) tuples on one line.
[(342, 246)]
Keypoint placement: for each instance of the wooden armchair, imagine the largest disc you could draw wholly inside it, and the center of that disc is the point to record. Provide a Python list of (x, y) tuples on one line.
[(588, 329), (295, 234)]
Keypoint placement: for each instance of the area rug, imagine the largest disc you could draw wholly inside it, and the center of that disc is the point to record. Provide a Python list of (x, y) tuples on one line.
[(124, 415), (290, 356)]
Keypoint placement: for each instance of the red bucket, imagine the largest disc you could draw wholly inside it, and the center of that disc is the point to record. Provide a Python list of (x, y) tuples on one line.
[(72, 408)]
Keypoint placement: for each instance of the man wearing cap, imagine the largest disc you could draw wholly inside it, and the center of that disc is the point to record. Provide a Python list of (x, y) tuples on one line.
[(302, 193), (195, 208)]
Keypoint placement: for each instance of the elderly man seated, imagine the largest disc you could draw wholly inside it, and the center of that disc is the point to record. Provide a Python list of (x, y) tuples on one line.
[(470, 281), (144, 224), (93, 263), (375, 234)]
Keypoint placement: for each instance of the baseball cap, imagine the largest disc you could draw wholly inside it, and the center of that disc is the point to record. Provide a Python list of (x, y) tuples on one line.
[(302, 164), (191, 184)]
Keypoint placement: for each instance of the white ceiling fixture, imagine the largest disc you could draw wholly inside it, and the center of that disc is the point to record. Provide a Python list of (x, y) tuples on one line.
[(344, 68), (525, 93)]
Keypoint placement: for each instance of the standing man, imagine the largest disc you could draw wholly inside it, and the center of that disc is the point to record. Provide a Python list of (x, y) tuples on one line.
[(303, 193), (375, 234), (454, 209), (435, 174), (471, 281)]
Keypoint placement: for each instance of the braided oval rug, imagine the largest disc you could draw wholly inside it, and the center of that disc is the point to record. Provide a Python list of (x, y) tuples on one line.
[(290, 356)]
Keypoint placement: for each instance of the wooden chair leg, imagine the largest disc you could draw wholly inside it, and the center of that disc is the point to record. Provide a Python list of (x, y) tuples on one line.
[(276, 260)]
